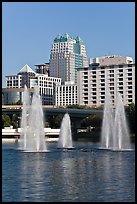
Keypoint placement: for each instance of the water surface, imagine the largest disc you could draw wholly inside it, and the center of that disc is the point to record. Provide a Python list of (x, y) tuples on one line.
[(81, 174)]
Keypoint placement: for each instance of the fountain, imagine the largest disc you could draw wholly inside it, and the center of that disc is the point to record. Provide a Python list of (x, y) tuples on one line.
[(115, 134), (32, 125), (65, 137), (121, 138), (108, 122), (24, 118)]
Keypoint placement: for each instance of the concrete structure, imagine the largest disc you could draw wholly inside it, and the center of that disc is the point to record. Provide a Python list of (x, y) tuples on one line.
[(42, 68), (67, 54), (66, 94), (111, 60), (116, 73)]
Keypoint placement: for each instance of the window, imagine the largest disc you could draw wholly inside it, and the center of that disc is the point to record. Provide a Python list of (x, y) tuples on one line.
[(102, 93), (130, 83), (85, 72), (129, 96), (94, 89), (129, 65), (120, 66), (93, 81), (86, 81), (85, 85), (112, 66), (111, 75), (94, 97), (85, 77), (120, 79), (94, 72), (120, 83), (111, 71), (94, 85)]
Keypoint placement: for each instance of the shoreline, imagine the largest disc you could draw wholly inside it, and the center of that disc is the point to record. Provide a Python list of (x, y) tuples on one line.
[(6, 140)]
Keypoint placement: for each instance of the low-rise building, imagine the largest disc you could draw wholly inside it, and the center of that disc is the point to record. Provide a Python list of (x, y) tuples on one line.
[(66, 94)]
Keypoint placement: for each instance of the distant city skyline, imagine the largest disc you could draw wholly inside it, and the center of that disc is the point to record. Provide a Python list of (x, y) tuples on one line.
[(29, 28)]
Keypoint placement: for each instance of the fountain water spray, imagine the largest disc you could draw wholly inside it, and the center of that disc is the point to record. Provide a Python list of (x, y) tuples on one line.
[(24, 118), (121, 138), (108, 122), (65, 137), (33, 136), (115, 134)]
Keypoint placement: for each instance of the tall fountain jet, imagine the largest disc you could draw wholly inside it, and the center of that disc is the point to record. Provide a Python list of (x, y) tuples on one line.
[(108, 123), (24, 118), (33, 136), (115, 134), (65, 137), (121, 138)]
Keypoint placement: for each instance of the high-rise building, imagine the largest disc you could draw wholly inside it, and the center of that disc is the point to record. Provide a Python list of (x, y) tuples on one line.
[(67, 54), (109, 73)]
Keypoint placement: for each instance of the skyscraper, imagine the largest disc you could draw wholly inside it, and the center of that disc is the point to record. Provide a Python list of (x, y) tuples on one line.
[(67, 54)]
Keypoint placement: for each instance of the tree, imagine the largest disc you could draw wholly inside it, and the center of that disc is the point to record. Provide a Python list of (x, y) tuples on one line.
[(93, 121), (6, 121), (14, 120), (130, 113)]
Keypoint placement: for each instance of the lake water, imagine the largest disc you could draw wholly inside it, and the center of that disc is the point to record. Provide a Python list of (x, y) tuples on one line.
[(83, 174)]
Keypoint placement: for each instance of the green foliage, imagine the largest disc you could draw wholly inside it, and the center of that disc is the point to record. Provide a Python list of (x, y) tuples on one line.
[(93, 121), (54, 121), (6, 121), (130, 113), (76, 106)]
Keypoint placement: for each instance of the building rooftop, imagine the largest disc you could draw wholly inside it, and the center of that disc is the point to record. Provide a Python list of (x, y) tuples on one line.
[(27, 69)]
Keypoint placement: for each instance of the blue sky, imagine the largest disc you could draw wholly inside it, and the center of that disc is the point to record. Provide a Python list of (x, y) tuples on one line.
[(29, 28)]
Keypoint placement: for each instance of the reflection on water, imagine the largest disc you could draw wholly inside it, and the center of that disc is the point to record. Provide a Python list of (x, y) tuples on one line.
[(74, 175)]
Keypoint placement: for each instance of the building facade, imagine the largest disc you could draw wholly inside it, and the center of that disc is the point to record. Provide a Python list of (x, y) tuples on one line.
[(14, 95), (66, 94), (99, 77), (67, 54), (15, 85)]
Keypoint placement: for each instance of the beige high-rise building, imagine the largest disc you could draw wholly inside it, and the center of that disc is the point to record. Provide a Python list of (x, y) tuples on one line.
[(109, 73)]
